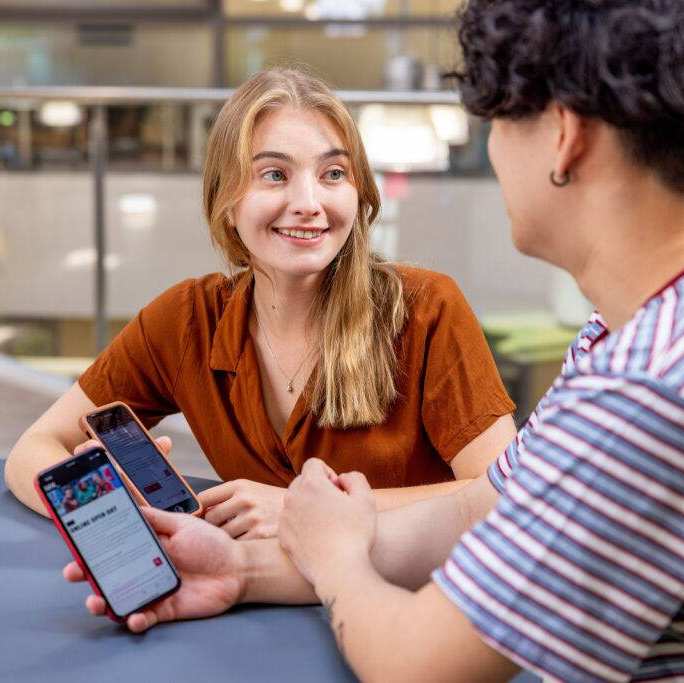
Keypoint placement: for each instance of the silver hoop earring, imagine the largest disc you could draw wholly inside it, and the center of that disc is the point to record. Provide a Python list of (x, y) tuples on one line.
[(560, 182)]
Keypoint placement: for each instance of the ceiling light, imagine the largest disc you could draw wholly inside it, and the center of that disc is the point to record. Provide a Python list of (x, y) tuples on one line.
[(60, 114), (81, 259), (450, 123), (402, 138), (292, 5), (138, 211)]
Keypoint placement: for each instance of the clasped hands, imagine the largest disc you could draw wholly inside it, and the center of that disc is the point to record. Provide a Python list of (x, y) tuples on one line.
[(326, 521)]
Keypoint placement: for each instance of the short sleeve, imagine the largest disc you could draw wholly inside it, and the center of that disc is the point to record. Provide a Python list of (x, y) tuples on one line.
[(142, 363), (463, 393), (579, 570)]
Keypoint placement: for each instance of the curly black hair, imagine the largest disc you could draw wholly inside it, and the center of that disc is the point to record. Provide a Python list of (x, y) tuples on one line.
[(618, 60)]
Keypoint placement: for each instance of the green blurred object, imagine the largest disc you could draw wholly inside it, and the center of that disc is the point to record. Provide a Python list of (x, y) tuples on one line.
[(529, 348), (7, 118)]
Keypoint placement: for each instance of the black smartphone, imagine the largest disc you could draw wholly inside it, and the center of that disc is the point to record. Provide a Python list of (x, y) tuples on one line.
[(112, 542), (152, 479)]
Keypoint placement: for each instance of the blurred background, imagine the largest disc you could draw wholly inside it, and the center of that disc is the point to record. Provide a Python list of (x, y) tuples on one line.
[(104, 111)]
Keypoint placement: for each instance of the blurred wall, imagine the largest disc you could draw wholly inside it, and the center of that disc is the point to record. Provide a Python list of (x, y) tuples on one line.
[(157, 236)]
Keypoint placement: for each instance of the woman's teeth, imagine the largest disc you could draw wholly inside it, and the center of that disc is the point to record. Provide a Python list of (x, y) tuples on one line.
[(301, 234)]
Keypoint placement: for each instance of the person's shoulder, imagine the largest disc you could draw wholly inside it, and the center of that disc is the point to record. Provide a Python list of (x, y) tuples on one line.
[(183, 304), (428, 291), (208, 293), (650, 344)]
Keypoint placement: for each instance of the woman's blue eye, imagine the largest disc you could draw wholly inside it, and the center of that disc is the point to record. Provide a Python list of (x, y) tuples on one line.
[(335, 174), (275, 176)]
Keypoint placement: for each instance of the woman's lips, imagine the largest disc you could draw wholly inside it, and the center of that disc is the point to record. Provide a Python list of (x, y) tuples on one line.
[(301, 235)]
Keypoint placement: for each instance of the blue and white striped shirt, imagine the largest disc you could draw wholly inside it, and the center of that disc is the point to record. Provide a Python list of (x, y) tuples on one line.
[(578, 574)]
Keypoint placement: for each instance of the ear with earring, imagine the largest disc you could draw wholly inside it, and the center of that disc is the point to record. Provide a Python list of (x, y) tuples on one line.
[(562, 181)]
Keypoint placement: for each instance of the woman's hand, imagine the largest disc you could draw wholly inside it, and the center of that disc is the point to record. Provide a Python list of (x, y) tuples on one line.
[(208, 561), (243, 508), (163, 442), (327, 519)]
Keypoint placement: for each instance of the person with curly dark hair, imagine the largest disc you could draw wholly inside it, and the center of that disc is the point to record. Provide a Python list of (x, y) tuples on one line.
[(576, 570)]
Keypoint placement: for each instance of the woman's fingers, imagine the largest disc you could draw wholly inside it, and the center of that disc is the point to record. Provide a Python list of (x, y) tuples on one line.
[(224, 512), (165, 444), (87, 445), (217, 494), (238, 526), (260, 531)]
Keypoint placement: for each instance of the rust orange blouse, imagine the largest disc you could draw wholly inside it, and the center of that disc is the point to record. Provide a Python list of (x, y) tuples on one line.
[(190, 351)]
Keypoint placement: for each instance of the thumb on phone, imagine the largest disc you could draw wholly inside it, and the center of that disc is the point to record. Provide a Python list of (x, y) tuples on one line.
[(166, 523)]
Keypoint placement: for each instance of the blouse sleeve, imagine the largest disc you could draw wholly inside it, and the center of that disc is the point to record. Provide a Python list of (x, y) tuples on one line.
[(142, 363), (463, 393)]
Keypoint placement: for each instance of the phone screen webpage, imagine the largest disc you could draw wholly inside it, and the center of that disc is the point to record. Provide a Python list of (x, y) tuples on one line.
[(140, 460), (106, 528)]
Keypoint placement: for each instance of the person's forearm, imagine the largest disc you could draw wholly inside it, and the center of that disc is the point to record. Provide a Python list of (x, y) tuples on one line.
[(364, 611), (31, 454), (388, 499), (269, 575), (413, 540), (373, 620), (410, 543)]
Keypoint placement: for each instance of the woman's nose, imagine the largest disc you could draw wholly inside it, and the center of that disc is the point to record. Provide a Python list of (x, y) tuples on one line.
[(304, 200)]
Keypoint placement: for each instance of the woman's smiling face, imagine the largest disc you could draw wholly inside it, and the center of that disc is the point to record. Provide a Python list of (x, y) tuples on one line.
[(301, 203)]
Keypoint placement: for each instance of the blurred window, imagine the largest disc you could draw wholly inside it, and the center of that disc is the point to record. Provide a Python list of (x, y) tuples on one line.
[(354, 57), (101, 4), (336, 9), (118, 53)]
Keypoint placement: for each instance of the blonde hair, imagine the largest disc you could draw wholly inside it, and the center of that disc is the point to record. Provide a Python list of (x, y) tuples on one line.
[(360, 307)]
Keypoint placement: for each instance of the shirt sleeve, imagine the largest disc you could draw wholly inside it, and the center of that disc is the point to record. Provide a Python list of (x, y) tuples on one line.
[(463, 393), (501, 468), (580, 568), (141, 364)]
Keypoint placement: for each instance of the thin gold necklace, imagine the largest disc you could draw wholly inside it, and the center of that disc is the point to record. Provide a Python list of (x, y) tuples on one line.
[(290, 380)]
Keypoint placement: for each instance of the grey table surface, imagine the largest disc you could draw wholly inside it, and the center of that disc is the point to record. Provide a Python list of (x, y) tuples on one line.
[(47, 635)]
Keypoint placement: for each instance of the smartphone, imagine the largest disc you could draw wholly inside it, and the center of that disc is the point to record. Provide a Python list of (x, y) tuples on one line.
[(149, 475), (109, 538)]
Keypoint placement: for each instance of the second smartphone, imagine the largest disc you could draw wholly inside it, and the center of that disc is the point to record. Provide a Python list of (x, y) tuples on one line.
[(150, 476), (109, 538)]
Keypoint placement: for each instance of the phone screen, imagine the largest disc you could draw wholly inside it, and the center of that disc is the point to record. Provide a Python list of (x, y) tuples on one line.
[(108, 530), (138, 457)]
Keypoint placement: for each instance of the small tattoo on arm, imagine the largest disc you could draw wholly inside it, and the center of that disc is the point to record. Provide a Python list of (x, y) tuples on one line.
[(338, 629)]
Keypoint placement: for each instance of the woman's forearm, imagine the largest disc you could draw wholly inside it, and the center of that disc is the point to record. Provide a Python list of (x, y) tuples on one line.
[(388, 499), (411, 541), (31, 454)]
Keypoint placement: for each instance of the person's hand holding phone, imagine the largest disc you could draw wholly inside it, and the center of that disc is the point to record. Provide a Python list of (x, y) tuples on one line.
[(164, 443), (209, 563), (244, 508)]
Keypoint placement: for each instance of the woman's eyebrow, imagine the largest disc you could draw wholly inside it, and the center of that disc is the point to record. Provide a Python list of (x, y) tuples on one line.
[(272, 155), (336, 151)]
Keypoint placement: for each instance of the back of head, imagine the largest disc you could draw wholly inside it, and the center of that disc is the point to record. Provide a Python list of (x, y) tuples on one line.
[(621, 61)]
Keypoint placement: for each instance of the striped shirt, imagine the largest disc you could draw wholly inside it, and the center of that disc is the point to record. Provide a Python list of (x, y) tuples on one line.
[(578, 573)]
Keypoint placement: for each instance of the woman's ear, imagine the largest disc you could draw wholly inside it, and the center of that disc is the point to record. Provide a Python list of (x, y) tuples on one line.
[(571, 139)]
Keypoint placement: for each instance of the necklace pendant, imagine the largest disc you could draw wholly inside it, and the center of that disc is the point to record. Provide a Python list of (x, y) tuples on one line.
[(290, 388)]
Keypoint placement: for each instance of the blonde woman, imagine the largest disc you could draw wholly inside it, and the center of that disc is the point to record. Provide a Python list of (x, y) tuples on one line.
[(313, 347)]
